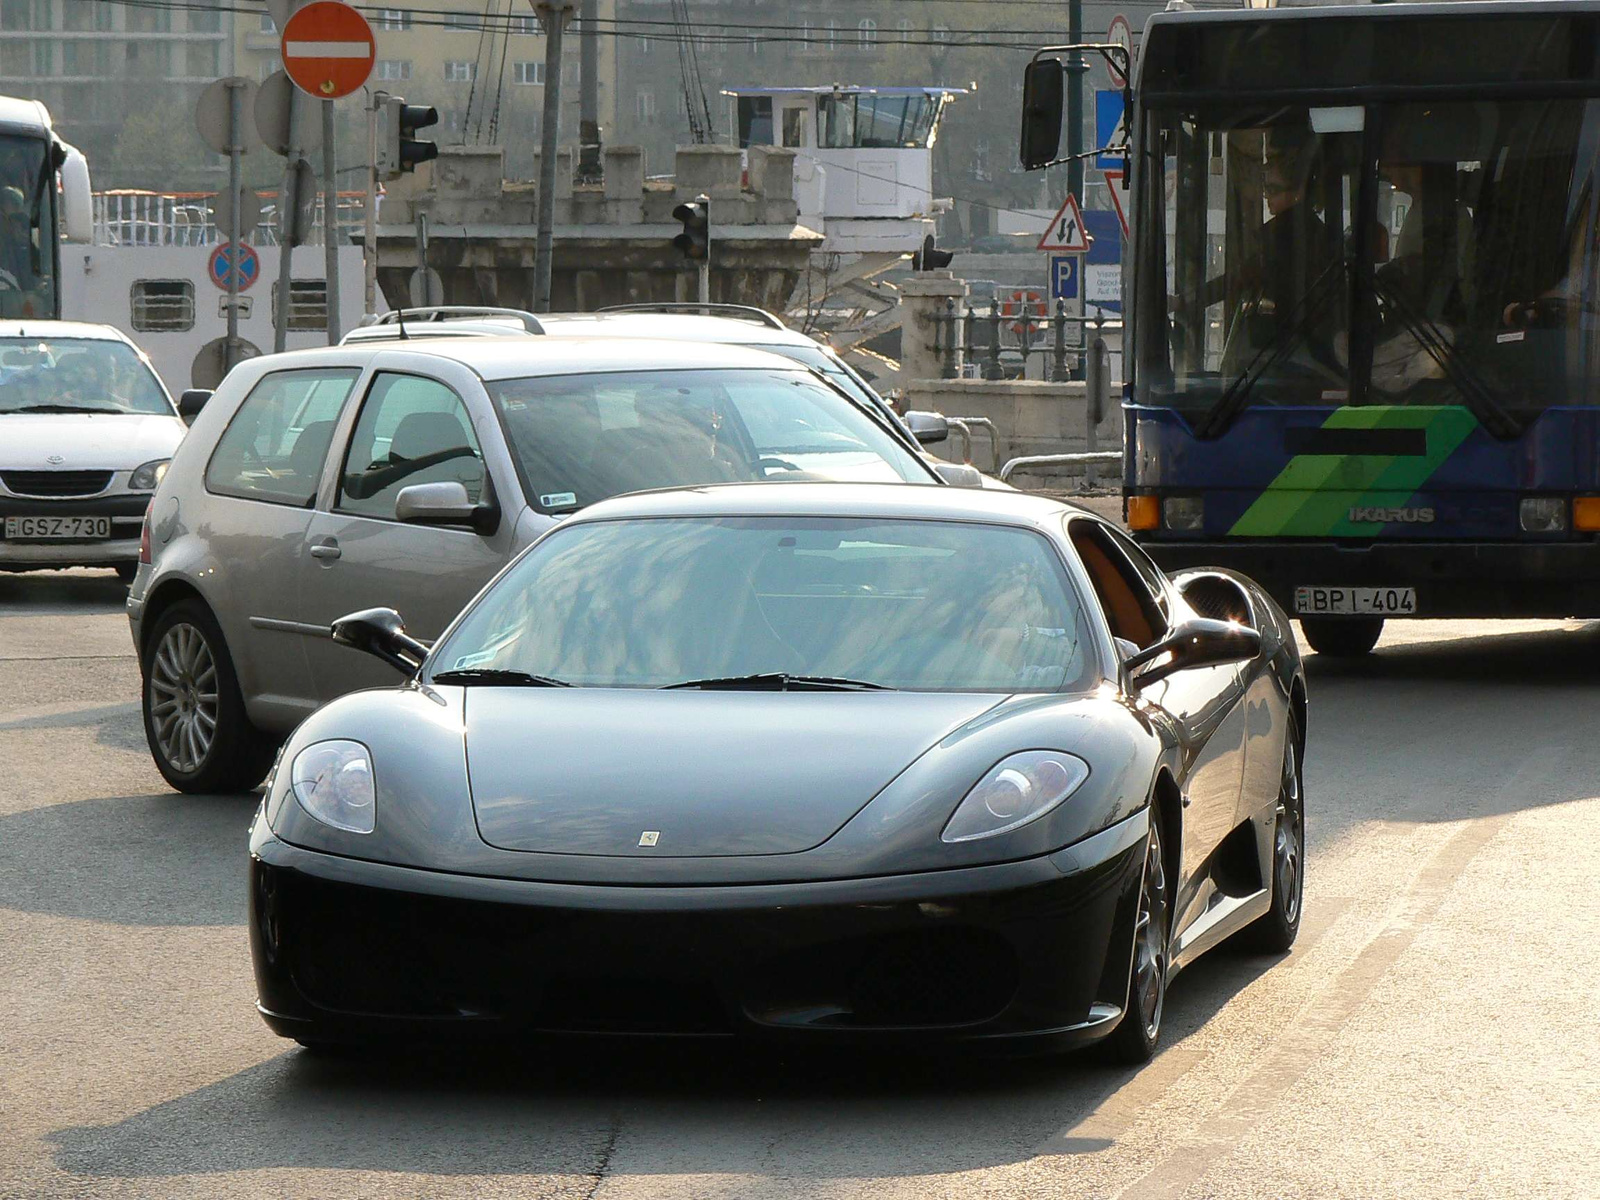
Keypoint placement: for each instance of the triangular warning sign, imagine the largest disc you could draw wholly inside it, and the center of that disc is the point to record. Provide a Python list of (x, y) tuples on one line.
[(1066, 233), (1114, 186)]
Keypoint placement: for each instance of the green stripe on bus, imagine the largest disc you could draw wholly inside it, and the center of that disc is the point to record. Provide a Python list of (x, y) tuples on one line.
[(1314, 493)]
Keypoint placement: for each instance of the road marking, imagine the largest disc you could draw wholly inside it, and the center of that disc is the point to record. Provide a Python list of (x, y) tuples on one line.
[(1255, 1102)]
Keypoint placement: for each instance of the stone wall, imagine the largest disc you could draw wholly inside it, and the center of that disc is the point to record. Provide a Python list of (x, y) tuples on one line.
[(612, 242)]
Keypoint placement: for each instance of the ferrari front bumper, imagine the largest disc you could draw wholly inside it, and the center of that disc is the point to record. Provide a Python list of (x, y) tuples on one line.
[(1037, 950)]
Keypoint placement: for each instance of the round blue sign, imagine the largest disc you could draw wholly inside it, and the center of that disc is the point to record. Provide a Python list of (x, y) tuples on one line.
[(237, 260)]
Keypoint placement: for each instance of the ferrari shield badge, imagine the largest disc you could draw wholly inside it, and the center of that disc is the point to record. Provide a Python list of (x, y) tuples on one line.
[(649, 837)]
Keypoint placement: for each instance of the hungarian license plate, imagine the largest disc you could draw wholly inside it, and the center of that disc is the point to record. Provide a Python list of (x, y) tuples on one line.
[(1355, 601), (58, 529)]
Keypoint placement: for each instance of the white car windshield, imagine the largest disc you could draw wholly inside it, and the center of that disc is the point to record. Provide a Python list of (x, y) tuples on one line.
[(60, 375), (909, 605), (582, 438)]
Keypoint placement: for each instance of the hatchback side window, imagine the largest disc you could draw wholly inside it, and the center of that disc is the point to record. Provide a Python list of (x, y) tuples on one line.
[(411, 430), (275, 445)]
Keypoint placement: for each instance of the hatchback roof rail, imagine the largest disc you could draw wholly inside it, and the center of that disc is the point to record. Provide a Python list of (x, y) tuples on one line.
[(738, 312), (457, 312)]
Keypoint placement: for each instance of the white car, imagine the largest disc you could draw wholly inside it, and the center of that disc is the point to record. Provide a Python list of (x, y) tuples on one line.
[(86, 431)]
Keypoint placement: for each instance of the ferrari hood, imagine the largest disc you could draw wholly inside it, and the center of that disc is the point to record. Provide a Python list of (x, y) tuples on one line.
[(689, 773)]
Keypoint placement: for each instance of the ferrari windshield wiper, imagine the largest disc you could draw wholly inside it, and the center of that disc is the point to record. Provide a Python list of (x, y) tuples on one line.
[(779, 681), (497, 677)]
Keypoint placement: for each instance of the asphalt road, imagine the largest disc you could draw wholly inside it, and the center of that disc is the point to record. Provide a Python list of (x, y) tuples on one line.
[(1432, 1035)]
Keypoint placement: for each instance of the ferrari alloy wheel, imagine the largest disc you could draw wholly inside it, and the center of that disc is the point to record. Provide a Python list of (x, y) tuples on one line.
[(1275, 932), (194, 718), (1342, 637), (1135, 1038)]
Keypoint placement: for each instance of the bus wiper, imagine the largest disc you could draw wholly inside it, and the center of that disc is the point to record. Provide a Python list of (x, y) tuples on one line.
[(497, 677), (1467, 378), (1216, 422), (780, 681)]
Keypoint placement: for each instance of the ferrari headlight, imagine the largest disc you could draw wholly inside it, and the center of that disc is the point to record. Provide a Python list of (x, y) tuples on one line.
[(333, 782), (147, 478), (1016, 790)]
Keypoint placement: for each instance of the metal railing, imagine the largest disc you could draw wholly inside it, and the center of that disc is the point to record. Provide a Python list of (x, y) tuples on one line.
[(1088, 460), (998, 339), (965, 425), (186, 219)]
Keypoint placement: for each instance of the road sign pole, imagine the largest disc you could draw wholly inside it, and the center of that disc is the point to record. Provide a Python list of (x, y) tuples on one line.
[(236, 137), (330, 223), (288, 207)]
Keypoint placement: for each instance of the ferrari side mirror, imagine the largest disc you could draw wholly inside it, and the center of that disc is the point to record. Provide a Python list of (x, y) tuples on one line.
[(381, 633), (1197, 642)]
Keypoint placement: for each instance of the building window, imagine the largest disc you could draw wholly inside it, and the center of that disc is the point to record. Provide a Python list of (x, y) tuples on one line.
[(88, 16), (527, 72), (16, 14), (833, 34), (394, 19), (941, 33), (202, 59), (269, 66), (392, 68), (905, 30), (205, 19), (86, 58), (461, 22), (268, 25), (43, 59), (647, 107), (163, 305), (308, 303), (524, 25), (644, 45), (460, 72), (867, 34)]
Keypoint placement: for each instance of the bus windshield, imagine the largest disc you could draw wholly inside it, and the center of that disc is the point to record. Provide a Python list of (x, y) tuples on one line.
[(1421, 253), (27, 228)]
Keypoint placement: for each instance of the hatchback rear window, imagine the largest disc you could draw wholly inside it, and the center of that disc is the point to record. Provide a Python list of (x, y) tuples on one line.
[(275, 446)]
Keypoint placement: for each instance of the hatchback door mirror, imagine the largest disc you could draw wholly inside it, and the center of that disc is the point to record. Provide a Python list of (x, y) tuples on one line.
[(381, 633), (191, 402), (1197, 642), (445, 503), (957, 474), (929, 428)]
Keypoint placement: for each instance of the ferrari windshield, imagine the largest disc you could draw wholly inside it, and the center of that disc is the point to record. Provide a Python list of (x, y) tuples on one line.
[(1421, 253), (910, 605), (77, 375), (582, 438)]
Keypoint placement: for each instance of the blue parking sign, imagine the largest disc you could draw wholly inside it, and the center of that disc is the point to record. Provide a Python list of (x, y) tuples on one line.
[(1063, 277)]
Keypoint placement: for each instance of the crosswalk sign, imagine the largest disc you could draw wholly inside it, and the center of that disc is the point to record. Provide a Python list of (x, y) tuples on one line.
[(1066, 233)]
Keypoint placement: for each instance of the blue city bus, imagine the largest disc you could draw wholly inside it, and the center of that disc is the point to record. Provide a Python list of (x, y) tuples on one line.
[(1365, 342)]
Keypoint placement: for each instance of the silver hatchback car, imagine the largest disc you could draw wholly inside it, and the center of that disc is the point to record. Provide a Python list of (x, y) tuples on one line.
[(325, 481)]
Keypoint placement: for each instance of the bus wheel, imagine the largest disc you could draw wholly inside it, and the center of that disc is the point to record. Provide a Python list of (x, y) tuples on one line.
[(1342, 637)]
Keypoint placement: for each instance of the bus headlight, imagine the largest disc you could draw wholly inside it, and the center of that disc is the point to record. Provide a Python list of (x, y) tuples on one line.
[(1542, 514), (1183, 514)]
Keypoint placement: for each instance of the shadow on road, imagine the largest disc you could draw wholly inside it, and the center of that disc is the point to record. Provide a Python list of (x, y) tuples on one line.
[(76, 591), (1514, 658), (164, 859), (688, 1108)]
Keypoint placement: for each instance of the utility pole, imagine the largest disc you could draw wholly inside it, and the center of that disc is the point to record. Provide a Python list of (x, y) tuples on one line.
[(553, 15), (288, 221), (1076, 68), (330, 224), (589, 168)]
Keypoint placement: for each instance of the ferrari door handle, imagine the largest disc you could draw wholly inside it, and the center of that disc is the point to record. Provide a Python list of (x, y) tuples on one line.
[(327, 551)]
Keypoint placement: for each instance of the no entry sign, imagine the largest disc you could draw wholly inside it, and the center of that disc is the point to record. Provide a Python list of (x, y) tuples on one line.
[(328, 49)]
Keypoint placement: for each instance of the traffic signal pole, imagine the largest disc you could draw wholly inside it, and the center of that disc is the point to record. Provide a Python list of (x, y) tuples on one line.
[(705, 263), (375, 102), (288, 209)]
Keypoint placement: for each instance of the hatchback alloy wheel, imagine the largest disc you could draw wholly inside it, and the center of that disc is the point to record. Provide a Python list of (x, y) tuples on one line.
[(183, 697)]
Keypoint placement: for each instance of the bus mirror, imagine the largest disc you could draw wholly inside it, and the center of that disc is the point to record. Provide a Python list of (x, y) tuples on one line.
[(77, 202), (1043, 94)]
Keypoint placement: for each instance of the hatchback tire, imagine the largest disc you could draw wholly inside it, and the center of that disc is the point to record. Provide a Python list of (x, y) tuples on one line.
[(1342, 637), (194, 716)]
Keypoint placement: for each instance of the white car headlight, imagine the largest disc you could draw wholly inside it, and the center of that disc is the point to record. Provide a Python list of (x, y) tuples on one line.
[(333, 782), (147, 477), (1016, 790)]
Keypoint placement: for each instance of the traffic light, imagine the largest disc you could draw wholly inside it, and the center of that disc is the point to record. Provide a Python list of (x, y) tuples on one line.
[(695, 240), (930, 258), (402, 150)]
